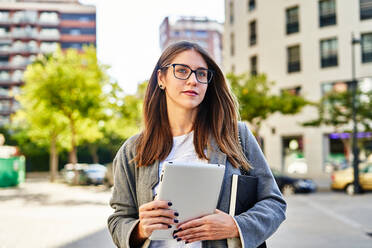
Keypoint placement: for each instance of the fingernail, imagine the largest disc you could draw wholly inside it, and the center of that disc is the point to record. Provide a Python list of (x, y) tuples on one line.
[(170, 204), (176, 214), (175, 221), (179, 239), (175, 236), (186, 242), (169, 226)]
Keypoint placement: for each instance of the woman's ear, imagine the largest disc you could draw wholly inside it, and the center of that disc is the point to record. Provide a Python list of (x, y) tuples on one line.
[(160, 80)]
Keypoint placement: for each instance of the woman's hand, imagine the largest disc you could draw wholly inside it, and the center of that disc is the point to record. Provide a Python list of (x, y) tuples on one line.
[(210, 227), (155, 215)]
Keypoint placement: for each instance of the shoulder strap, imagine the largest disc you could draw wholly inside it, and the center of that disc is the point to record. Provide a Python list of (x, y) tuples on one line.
[(242, 146)]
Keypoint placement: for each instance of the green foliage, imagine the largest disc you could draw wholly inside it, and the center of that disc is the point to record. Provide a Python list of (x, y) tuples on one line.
[(63, 92), (126, 111), (257, 103), (335, 109)]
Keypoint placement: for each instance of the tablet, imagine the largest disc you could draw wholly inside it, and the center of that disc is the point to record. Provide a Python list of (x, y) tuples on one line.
[(193, 189)]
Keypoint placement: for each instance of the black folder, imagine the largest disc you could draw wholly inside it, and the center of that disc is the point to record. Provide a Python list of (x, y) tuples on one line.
[(243, 192), (243, 195)]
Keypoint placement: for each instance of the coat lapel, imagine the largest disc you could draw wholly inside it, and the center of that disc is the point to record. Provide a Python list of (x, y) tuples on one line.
[(216, 156)]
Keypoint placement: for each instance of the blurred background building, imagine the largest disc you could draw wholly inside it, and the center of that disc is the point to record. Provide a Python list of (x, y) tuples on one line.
[(305, 47), (30, 27), (207, 33)]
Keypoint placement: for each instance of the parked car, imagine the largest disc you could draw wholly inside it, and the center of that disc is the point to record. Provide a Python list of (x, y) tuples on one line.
[(290, 185), (344, 179), (87, 173), (95, 173)]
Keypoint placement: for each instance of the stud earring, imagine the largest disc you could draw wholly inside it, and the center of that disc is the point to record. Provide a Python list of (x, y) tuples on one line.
[(161, 86)]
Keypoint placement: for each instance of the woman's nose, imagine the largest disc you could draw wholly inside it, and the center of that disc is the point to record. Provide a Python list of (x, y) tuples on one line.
[(192, 79)]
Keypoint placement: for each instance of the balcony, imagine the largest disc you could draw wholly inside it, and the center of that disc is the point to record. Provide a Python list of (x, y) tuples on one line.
[(4, 65), (49, 35), (48, 22), (293, 66), (24, 33), (4, 35), (329, 61), (29, 17)]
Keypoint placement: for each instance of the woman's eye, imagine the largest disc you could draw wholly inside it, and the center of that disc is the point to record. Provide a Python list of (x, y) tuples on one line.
[(202, 74), (183, 71)]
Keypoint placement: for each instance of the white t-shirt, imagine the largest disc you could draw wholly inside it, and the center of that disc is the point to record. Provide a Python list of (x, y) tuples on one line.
[(183, 150)]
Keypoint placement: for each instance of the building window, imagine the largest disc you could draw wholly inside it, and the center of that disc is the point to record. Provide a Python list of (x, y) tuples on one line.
[(365, 9), (76, 45), (296, 91), (294, 160), (252, 33), (231, 12), (251, 5), (293, 58), (327, 13), (253, 65), (78, 31), (366, 48), (292, 20), (328, 53), (79, 17), (232, 46)]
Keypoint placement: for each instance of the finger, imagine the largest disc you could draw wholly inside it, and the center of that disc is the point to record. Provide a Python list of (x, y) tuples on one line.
[(191, 232), (156, 204), (148, 229), (192, 223), (158, 220), (158, 212), (217, 211)]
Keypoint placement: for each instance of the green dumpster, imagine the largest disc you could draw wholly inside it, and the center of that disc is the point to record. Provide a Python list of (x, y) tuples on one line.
[(12, 171)]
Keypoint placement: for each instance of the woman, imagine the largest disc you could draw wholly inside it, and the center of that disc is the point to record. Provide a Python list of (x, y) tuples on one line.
[(190, 115)]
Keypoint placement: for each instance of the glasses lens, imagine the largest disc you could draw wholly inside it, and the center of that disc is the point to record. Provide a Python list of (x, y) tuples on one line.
[(203, 75), (181, 72)]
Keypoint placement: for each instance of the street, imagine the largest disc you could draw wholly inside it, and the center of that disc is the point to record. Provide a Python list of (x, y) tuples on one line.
[(40, 214)]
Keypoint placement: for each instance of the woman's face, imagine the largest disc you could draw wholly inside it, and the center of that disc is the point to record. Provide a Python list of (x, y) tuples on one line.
[(188, 93)]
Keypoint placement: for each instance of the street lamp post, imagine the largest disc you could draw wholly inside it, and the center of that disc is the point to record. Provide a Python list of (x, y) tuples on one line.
[(354, 86)]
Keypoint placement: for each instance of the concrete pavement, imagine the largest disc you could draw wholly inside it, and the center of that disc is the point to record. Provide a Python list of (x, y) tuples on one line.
[(39, 214)]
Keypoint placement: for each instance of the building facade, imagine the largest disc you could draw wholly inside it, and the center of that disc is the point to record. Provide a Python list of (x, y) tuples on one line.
[(306, 48), (28, 28), (207, 33)]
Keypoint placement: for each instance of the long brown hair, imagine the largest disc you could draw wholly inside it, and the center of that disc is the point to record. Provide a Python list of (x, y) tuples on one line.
[(217, 115)]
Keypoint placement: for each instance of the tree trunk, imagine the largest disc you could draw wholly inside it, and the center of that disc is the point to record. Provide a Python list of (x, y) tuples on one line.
[(73, 155), (93, 152), (53, 159)]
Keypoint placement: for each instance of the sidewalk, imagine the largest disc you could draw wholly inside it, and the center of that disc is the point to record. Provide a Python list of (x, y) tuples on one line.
[(48, 215)]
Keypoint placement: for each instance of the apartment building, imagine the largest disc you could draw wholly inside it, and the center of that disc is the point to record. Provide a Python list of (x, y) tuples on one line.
[(207, 33), (306, 48), (30, 27)]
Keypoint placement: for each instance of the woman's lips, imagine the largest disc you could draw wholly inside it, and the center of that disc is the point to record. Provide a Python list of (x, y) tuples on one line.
[(190, 93)]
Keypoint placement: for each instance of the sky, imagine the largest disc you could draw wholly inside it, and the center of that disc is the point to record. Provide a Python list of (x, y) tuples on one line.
[(128, 33)]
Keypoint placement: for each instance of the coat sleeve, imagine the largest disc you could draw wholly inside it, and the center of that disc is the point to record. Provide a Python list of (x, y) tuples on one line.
[(123, 200), (258, 223)]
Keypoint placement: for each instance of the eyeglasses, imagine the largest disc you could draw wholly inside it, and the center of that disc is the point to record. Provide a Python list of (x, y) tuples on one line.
[(183, 72)]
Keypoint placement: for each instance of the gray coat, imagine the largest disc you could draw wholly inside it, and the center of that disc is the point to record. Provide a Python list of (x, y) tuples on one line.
[(133, 187)]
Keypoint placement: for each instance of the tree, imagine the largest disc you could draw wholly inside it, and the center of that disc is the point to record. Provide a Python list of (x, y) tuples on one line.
[(256, 103), (66, 88), (335, 110), (43, 127), (125, 117)]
